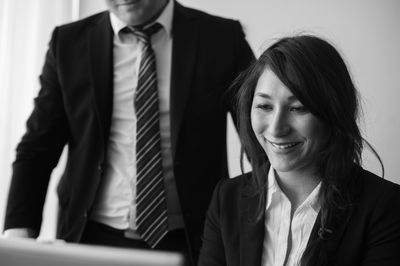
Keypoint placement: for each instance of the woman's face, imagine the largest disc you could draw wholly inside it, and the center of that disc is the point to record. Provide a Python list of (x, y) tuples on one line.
[(290, 135)]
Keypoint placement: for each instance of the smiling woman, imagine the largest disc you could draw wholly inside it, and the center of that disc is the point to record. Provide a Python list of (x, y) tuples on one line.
[(289, 133), (291, 136), (308, 201)]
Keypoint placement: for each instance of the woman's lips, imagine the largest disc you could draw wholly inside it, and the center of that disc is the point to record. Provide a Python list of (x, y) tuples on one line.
[(284, 146)]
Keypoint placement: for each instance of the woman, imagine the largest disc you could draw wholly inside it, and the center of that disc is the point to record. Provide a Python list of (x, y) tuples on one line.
[(307, 201)]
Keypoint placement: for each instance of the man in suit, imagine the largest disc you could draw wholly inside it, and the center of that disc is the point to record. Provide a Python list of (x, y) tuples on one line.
[(87, 102)]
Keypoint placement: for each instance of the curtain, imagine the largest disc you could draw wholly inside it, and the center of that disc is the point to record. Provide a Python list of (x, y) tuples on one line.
[(25, 29)]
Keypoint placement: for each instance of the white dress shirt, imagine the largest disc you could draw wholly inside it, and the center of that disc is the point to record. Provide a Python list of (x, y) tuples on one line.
[(115, 202), (279, 226)]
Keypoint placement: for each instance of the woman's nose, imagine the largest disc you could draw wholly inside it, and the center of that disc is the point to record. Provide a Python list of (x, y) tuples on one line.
[(278, 125)]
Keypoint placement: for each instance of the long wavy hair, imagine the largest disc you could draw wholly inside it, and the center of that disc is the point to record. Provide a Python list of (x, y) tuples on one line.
[(313, 70)]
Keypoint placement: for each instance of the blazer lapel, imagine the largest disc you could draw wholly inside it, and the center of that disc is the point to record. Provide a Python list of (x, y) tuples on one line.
[(100, 41), (184, 51), (251, 229), (331, 240)]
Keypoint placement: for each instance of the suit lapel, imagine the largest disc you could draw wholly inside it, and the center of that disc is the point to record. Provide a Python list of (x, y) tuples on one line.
[(251, 231), (331, 241), (100, 41), (184, 51)]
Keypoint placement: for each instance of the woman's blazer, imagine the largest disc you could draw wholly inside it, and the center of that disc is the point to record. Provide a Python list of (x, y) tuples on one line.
[(368, 235)]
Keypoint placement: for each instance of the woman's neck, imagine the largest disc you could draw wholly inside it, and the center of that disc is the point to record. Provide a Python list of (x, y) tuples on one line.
[(297, 185)]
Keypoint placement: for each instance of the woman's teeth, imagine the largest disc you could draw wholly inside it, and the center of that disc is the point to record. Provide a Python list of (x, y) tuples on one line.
[(284, 146)]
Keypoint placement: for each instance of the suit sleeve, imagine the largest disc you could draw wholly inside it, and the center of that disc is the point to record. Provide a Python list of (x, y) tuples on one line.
[(244, 58), (39, 150), (383, 236), (212, 250), (245, 55)]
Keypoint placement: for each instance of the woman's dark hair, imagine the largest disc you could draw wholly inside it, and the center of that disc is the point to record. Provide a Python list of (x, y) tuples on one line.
[(313, 70)]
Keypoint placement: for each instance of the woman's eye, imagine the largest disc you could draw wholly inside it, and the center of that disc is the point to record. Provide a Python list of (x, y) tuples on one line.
[(299, 109), (265, 107)]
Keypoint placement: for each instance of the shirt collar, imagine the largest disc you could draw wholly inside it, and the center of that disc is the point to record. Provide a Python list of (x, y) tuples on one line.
[(165, 19), (313, 199), (273, 187)]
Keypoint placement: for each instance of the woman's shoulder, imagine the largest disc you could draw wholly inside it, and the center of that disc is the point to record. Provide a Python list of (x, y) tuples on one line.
[(237, 180), (235, 184), (374, 189), (371, 182), (377, 214)]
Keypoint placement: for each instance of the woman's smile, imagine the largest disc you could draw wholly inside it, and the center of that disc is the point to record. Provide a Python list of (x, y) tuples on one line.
[(289, 133)]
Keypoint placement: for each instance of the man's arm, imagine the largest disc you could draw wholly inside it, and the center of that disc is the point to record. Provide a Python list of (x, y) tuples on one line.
[(244, 56), (38, 151)]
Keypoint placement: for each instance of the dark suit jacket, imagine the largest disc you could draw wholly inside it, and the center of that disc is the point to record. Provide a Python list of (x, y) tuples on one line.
[(368, 235), (74, 107)]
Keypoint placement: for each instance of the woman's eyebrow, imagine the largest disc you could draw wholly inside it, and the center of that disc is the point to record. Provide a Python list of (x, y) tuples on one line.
[(263, 95), (291, 98)]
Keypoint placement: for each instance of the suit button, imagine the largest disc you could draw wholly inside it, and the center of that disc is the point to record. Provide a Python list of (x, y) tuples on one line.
[(100, 169)]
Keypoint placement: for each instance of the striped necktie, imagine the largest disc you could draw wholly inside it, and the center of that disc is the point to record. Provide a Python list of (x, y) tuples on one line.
[(151, 207)]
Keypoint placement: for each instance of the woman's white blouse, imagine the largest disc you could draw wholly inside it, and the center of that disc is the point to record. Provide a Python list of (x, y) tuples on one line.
[(279, 228)]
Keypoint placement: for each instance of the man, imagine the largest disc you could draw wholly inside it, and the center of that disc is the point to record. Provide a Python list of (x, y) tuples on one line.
[(90, 82)]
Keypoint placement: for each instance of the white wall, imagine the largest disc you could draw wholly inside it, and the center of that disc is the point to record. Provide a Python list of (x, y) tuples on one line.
[(365, 31)]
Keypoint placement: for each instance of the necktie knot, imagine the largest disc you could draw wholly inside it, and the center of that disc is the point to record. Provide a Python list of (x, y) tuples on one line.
[(144, 34)]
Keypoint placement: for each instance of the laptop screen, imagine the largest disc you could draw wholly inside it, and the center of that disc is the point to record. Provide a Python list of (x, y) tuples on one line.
[(15, 252)]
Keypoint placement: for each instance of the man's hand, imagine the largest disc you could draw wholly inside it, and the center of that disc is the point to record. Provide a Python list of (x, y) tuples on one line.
[(20, 233)]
